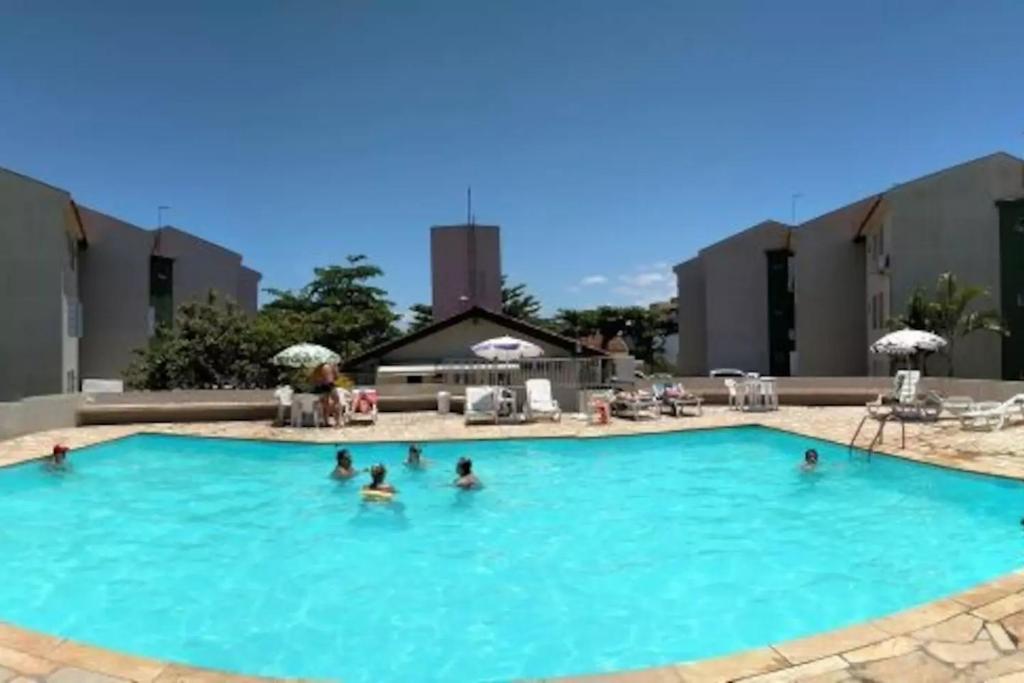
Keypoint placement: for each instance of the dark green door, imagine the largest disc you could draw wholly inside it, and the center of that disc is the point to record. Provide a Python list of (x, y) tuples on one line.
[(780, 313), (1011, 285)]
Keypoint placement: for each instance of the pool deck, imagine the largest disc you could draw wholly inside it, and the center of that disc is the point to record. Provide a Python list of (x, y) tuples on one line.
[(971, 636)]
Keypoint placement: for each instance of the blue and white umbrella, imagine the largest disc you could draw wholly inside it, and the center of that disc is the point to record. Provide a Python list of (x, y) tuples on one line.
[(506, 348)]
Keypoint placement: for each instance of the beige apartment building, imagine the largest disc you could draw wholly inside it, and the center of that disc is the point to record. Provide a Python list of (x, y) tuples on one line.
[(81, 290), (808, 300)]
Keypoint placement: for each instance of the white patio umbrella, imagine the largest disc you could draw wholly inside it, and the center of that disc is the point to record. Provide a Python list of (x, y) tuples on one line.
[(305, 356), (907, 343), (506, 349)]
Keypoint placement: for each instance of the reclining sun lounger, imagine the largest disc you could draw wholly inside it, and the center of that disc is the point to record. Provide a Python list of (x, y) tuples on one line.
[(992, 415), (481, 405), (539, 402)]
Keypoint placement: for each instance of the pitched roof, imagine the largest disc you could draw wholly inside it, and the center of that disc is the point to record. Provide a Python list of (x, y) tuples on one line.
[(508, 321)]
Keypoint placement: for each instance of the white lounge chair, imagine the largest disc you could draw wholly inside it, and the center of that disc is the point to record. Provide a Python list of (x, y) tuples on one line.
[(904, 392), (481, 405), (539, 402), (992, 415), (677, 399), (635, 405)]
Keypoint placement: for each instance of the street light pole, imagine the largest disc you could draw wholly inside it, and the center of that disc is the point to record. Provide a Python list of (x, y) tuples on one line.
[(160, 215)]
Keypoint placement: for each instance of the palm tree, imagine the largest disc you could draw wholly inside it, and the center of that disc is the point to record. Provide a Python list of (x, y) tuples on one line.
[(951, 314), (952, 317)]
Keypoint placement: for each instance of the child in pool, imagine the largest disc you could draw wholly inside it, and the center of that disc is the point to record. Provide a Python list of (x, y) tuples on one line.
[(810, 460)]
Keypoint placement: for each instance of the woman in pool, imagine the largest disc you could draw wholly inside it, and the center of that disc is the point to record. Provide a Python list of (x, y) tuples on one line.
[(464, 477), (810, 460), (343, 469), (377, 475), (415, 460)]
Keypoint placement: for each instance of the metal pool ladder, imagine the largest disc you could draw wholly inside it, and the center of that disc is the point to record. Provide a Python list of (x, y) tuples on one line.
[(877, 438)]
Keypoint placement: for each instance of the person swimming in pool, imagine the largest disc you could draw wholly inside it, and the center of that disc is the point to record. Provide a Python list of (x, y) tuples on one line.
[(343, 469), (415, 460), (464, 477), (377, 475), (58, 459), (810, 460)]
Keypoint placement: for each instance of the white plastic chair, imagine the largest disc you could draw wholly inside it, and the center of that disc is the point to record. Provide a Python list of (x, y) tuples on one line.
[(770, 393), (734, 396), (539, 402), (284, 401), (303, 405)]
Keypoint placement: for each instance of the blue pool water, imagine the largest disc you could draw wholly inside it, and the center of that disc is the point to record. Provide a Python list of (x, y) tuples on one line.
[(579, 556)]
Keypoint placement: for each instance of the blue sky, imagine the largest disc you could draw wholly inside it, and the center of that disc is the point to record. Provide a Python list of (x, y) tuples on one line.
[(609, 139)]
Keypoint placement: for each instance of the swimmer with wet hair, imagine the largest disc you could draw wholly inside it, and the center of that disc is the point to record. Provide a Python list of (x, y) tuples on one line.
[(464, 477), (810, 460), (415, 460), (378, 473), (343, 469)]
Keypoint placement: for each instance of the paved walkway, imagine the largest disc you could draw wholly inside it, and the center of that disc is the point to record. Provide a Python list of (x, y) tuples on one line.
[(972, 636)]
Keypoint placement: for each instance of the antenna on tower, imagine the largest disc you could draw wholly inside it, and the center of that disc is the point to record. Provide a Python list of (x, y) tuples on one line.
[(469, 205)]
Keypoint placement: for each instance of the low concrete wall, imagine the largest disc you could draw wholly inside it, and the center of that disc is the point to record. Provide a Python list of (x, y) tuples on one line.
[(38, 413), (826, 391)]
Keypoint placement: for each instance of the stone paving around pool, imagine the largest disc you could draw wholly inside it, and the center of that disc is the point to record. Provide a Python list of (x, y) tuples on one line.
[(970, 637)]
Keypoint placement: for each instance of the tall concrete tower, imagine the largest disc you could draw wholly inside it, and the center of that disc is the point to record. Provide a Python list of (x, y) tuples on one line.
[(465, 268)]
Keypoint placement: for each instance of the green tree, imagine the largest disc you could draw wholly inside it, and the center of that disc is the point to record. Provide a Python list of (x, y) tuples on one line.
[(643, 329), (211, 345), (953, 313), (422, 316), (344, 311), (517, 303)]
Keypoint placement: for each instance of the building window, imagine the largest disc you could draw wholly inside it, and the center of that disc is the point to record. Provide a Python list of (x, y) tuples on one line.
[(881, 309), (874, 311), (71, 385)]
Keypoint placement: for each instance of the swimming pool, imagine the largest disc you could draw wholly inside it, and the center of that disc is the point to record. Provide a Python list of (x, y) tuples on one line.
[(579, 556)]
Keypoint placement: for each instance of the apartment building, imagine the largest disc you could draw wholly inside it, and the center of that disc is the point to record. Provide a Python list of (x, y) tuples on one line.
[(40, 321), (132, 280), (809, 299), (81, 290)]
